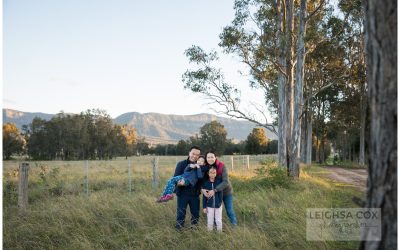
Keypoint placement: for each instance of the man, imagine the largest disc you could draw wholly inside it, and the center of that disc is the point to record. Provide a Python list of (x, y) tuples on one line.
[(187, 195)]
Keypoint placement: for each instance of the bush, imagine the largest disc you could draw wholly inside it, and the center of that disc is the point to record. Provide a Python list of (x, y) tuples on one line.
[(10, 192), (276, 176)]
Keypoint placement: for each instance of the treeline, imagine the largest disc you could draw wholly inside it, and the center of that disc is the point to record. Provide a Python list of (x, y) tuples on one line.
[(230, 148), (89, 135), (93, 135)]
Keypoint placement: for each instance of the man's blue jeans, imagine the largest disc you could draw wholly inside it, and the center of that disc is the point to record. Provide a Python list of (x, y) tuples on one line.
[(228, 203)]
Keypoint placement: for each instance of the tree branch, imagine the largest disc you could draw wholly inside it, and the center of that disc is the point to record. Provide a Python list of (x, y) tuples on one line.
[(315, 11)]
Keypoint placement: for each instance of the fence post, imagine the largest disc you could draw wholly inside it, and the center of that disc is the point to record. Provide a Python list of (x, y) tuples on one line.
[(87, 178), (130, 176), (23, 186), (155, 170), (232, 162), (248, 162)]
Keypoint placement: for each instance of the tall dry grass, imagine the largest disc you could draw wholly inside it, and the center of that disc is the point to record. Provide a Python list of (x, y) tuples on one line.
[(269, 206)]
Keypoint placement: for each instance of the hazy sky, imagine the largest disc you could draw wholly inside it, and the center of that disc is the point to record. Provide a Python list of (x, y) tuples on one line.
[(120, 56)]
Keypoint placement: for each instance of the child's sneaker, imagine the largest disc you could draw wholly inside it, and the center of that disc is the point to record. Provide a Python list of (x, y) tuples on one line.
[(165, 198)]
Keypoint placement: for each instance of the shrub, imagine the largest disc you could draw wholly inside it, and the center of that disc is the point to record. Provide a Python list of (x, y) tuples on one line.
[(10, 192)]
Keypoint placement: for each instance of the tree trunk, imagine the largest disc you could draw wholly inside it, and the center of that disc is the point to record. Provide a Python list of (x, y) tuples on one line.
[(307, 132), (322, 151), (282, 109), (319, 152), (290, 92), (303, 144), (381, 44), (362, 126), (309, 137), (316, 148), (297, 96), (349, 152)]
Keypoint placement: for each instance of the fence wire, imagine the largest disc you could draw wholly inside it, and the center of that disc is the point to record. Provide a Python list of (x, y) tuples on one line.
[(132, 174)]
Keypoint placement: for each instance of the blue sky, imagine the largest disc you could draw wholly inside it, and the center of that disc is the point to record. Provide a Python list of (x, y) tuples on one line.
[(120, 56)]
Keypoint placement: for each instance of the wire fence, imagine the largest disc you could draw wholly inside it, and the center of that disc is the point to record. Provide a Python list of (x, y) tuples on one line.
[(132, 174)]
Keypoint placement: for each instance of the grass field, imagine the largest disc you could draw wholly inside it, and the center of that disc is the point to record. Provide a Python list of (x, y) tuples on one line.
[(270, 208)]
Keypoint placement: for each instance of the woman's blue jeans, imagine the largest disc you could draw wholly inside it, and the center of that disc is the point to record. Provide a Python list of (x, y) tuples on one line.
[(228, 203)]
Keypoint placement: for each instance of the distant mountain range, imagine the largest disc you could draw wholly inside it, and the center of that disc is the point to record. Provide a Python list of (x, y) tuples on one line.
[(157, 128)]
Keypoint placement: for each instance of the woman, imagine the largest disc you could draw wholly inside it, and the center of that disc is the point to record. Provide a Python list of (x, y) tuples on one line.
[(225, 186)]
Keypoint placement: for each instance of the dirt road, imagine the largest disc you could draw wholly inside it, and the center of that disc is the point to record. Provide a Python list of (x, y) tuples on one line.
[(354, 177)]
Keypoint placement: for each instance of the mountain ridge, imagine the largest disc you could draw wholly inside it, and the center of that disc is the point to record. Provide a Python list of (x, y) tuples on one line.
[(156, 127)]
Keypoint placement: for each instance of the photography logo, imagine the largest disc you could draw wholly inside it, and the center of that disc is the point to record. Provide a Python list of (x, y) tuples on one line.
[(344, 224)]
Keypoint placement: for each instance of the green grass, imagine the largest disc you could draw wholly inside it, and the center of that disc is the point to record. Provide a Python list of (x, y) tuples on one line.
[(343, 164), (270, 208)]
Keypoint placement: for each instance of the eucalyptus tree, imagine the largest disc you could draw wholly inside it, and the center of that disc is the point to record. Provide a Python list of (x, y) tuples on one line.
[(354, 39), (324, 67), (340, 61), (263, 35), (381, 47)]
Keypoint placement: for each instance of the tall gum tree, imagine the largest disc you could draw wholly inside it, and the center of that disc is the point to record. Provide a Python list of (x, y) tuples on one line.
[(381, 45), (269, 50)]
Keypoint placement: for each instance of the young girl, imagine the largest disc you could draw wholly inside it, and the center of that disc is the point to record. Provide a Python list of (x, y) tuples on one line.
[(192, 173), (212, 206)]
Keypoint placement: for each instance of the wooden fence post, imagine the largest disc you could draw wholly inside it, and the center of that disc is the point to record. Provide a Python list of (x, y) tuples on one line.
[(130, 176), (87, 178), (232, 162), (155, 172), (23, 186), (248, 162)]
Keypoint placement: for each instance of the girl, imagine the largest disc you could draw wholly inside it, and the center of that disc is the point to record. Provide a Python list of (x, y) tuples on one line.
[(192, 173), (212, 205)]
